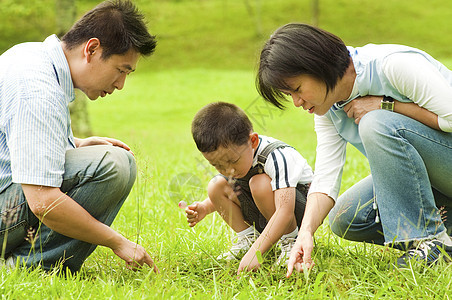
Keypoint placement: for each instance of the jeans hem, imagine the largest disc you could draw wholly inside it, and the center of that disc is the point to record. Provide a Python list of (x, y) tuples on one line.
[(415, 241)]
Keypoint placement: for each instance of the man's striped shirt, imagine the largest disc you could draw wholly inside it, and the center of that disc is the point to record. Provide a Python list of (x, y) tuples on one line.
[(35, 131)]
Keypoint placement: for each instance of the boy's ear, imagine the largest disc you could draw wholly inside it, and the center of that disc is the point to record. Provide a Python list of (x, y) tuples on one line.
[(254, 138)]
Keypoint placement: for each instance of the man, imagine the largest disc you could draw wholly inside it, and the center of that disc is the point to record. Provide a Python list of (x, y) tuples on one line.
[(66, 189)]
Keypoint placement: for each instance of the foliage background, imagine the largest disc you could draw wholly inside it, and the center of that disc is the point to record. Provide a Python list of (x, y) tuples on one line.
[(207, 51), (228, 33)]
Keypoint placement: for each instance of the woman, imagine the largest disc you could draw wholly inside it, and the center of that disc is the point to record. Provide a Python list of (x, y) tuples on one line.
[(394, 104)]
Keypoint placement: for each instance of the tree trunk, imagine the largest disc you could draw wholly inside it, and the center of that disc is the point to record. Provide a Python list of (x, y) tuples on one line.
[(315, 12), (65, 17)]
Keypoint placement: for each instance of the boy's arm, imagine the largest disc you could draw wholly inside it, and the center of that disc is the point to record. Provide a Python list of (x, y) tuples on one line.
[(199, 210), (276, 227)]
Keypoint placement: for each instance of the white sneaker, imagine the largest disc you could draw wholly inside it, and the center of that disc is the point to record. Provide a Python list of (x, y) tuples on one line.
[(286, 245), (241, 243), (9, 263)]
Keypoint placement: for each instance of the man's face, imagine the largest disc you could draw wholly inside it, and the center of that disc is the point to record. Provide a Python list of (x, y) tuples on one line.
[(102, 77)]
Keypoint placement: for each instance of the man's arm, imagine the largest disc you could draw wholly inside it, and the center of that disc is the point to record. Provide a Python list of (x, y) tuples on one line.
[(62, 214)]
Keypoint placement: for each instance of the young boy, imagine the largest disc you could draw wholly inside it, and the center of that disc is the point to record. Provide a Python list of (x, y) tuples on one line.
[(261, 190)]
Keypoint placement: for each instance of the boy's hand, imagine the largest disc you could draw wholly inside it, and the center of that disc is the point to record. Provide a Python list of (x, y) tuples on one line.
[(249, 262), (195, 213)]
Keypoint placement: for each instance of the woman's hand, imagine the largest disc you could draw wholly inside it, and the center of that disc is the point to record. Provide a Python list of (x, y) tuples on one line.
[(358, 107), (300, 256)]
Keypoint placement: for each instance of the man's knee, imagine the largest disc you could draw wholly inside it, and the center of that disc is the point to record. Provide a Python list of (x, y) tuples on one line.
[(118, 166)]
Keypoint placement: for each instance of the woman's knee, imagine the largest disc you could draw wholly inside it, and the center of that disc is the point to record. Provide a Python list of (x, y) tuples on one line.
[(373, 124), (338, 225)]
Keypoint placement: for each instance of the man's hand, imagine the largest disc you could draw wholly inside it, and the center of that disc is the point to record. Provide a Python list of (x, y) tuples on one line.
[(358, 107), (97, 140), (134, 255), (300, 256)]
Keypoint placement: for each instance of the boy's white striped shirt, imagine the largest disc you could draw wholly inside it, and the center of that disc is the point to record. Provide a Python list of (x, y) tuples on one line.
[(35, 132), (285, 166)]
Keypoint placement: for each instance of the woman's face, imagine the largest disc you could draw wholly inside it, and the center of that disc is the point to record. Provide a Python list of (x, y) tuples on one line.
[(310, 93)]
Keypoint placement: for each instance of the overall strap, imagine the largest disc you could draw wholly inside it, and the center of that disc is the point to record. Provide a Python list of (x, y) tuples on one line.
[(262, 157)]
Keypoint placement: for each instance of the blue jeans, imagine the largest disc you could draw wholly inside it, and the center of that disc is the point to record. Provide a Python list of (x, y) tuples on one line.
[(411, 178), (99, 178)]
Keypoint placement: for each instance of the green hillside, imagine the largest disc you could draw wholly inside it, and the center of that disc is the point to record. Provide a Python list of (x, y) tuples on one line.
[(228, 33)]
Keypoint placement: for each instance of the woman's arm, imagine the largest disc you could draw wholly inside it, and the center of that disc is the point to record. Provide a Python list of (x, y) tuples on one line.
[(317, 208), (360, 106), (427, 84), (330, 158)]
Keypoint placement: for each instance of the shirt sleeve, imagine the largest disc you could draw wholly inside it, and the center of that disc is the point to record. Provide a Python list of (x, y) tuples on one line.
[(330, 158), (287, 167), (416, 78), (37, 140)]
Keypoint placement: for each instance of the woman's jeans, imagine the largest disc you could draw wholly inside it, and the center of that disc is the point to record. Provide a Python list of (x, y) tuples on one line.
[(411, 181), (99, 178)]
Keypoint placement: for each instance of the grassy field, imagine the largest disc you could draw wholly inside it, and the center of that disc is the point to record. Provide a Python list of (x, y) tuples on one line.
[(207, 52), (156, 124)]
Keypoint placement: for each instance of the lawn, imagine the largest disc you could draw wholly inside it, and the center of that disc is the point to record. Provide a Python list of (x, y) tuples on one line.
[(198, 62), (156, 124)]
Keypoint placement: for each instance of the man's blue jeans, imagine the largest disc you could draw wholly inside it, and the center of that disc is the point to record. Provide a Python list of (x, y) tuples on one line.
[(411, 178), (99, 178)]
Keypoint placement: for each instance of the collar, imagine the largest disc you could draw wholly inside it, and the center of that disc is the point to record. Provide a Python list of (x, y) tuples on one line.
[(52, 44), (353, 95)]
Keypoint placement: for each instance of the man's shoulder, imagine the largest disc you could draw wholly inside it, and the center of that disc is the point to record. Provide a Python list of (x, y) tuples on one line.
[(25, 59)]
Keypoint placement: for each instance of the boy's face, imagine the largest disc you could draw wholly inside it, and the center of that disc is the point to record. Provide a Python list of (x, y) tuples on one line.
[(234, 160)]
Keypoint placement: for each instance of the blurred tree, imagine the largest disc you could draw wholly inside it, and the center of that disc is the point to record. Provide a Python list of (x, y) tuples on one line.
[(65, 17), (22, 21), (255, 14), (315, 12)]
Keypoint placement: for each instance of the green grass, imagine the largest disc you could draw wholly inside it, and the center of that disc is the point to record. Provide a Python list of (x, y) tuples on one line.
[(156, 124), (207, 52)]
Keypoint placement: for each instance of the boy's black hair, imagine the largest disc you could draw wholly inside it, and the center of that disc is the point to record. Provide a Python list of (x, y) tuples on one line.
[(220, 124), (299, 49), (117, 24)]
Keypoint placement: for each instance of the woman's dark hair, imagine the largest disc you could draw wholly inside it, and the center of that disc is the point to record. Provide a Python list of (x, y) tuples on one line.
[(220, 124), (117, 24), (299, 49)]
